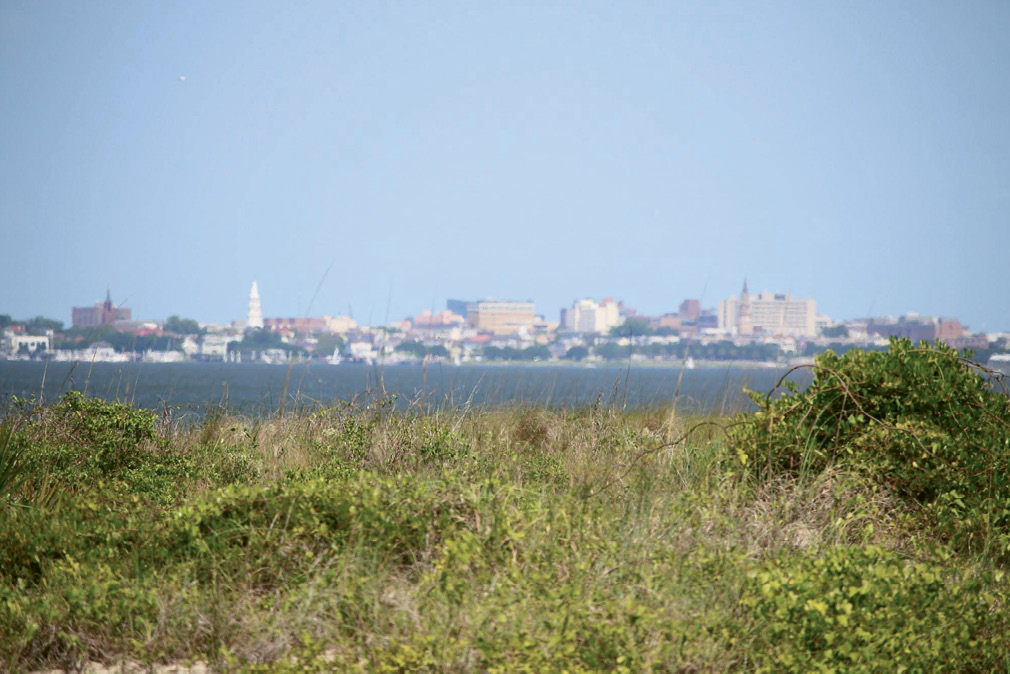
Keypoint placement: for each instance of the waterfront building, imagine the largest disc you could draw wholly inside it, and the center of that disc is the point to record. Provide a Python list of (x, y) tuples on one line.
[(102, 313), (777, 314), (690, 310), (296, 325), (586, 316), (14, 341), (215, 346), (190, 346), (916, 328), (339, 324), (441, 320), (672, 321), (501, 317), (255, 319)]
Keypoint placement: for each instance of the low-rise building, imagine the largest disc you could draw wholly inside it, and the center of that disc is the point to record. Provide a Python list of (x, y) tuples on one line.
[(296, 325), (437, 321), (916, 328), (215, 346), (339, 324), (15, 341)]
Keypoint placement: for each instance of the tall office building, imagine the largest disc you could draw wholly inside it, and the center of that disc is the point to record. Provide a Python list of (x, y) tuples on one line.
[(772, 314), (500, 317), (457, 306), (587, 316)]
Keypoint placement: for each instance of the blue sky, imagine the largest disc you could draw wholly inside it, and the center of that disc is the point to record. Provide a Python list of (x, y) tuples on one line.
[(854, 152)]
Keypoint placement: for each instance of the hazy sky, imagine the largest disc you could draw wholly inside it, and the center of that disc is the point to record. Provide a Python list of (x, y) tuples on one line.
[(854, 152)]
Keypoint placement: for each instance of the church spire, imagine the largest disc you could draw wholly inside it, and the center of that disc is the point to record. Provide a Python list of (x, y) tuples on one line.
[(255, 318), (108, 312), (745, 321)]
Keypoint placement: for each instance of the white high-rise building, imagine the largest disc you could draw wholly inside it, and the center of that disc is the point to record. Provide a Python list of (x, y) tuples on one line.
[(772, 314), (255, 312), (587, 316)]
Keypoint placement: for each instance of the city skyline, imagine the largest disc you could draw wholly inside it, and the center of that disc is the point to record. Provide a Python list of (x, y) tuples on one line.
[(796, 316), (95, 315), (383, 159), (765, 328)]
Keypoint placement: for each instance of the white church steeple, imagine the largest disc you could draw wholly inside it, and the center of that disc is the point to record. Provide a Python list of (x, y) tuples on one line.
[(255, 319)]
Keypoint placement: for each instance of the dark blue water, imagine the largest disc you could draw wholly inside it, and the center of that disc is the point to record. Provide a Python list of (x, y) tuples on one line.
[(258, 388)]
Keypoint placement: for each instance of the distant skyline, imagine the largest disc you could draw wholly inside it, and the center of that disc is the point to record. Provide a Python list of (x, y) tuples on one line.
[(857, 153)]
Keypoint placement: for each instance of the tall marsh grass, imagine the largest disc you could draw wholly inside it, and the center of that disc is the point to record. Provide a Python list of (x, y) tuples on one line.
[(374, 537)]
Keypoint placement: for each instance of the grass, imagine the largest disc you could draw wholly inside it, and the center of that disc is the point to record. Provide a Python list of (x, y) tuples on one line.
[(376, 539)]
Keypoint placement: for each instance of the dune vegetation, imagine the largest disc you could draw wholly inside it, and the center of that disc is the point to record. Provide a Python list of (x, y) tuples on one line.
[(861, 524)]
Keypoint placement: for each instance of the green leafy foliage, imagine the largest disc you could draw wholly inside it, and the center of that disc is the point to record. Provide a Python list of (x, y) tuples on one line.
[(418, 349), (920, 419), (83, 438), (328, 343), (259, 339), (367, 538), (40, 324), (867, 609), (182, 326), (576, 353), (633, 327)]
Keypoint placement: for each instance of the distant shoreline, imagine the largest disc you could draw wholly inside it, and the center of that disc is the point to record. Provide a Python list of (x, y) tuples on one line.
[(613, 364), (616, 364)]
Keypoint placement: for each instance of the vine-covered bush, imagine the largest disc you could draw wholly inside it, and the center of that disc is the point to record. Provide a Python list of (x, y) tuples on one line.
[(81, 442), (867, 609), (922, 419), (93, 435)]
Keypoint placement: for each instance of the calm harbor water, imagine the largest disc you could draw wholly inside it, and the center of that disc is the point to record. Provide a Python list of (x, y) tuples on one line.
[(254, 388)]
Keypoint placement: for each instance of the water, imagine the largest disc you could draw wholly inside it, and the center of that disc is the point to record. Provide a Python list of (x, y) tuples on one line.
[(258, 388)]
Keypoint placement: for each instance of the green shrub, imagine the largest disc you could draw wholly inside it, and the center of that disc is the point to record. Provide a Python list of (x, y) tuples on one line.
[(392, 520), (81, 438), (921, 419), (30, 538), (358, 541), (80, 442), (440, 444), (111, 431), (867, 609)]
